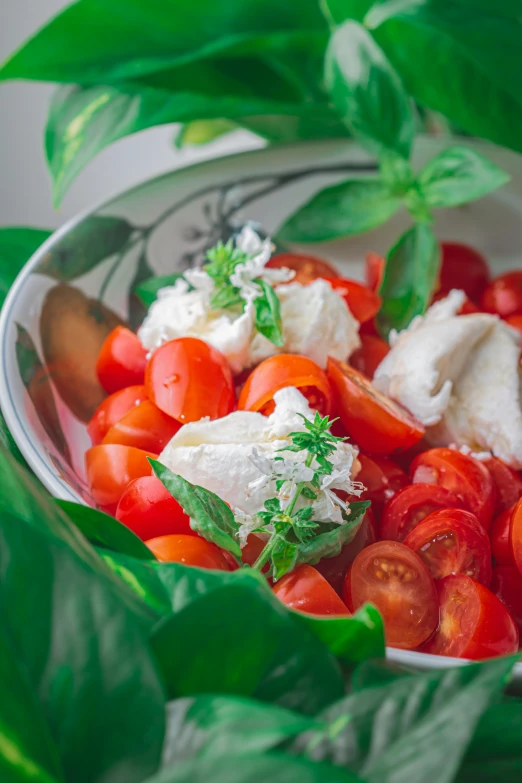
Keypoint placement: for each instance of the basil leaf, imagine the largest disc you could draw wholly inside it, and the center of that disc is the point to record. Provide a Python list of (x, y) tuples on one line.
[(268, 314), (105, 531), (341, 210), (137, 310), (409, 278), (147, 291), (351, 639), (17, 245), (283, 557), (210, 516), (367, 91), (330, 543)]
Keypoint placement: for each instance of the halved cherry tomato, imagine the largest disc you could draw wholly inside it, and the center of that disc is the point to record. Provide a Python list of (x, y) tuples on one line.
[(374, 270), (516, 535), (189, 379), (515, 321), (367, 358), (190, 550), (504, 295), (334, 568), (403, 512), (474, 623), (362, 302), (464, 268), (452, 541), (280, 371), (122, 360), (112, 410), (460, 473), (500, 537), (377, 424), (506, 584), (149, 510), (306, 268), (145, 427), (111, 468), (393, 578), (252, 549), (507, 481), (305, 590), (382, 478)]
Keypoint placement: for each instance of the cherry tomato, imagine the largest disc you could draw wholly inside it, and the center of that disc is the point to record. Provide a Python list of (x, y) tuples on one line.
[(149, 510), (507, 481), (122, 360), (467, 307), (515, 321), (377, 424), (367, 358), (306, 268), (305, 590), (112, 410), (374, 270), (500, 537), (145, 427), (464, 268), (362, 302), (382, 478), (403, 512), (504, 295), (460, 473), (506, 584), (452, 541), (474, 623), (189, 379), (334, 568), (393, 578), (111, 468), (516, 535), (284, 370), (190, 550), (252, 549)]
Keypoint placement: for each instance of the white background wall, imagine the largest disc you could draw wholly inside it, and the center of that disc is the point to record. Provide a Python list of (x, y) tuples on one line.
[(24, 181)]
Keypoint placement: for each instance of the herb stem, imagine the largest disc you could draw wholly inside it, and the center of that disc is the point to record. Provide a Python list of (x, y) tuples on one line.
[(300, 486)]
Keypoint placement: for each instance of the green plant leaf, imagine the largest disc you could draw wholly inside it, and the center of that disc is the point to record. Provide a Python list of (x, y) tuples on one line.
[(367, 91), (85, 246), (459, 175), (210, 516), (7, 443), (283, 557), (105, 531), (136, 308), (147, 290), (84, 655), (494, 752), (340, 210), (329, 544), (338, 11), (268, 314), (351, 639), (409, 278), (17, 245), (141, 577)]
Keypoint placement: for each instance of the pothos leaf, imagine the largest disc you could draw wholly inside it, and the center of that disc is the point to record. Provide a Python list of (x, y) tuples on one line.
[(268, 314), (330, 543), (147, 291)]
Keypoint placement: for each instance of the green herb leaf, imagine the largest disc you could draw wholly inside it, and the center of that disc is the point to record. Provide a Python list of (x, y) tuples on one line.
[(367, 91), (210, 516), (409, 278), (17, 245), (351, 639), (459, 175), (283, 556), (341, 210), (147, 291), (105, 531), (268, 314), (330, 543)]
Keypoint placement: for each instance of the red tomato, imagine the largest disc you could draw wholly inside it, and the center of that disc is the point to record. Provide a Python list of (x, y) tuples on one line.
[(516, 535), (111, 468), (305, 590), (452, 541), (403, 512), (474, 623), (334, 568), (504, 295), (393, 578), (507, 482), (464, 268), (374, 270), (252, 549), (281, 371), (190, 550), (307, 268), (382, 478), (506, 584), (112, 410), (460, 473), (500, 537), (377, 424), (149, 510), (145, 427), (122, 360), (515, 321), (362, 302), (189, 379), (467, 307), (367, 358)]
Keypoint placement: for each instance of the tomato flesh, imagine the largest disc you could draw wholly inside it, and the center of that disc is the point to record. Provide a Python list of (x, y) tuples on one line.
[(149, 510), (362, 302), (474, 623), (408, 507), (110, 468), (382, 478), (452, 541), (145, 427), (368, 357), (500, 537), (334, 569), (507, 482), (516, 535), (503, 295), (122, 360), (464, 268), (393, 578), (506, 584), (190, 550), (305, 590), (374, 270), (307, 268), (112, 410)]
